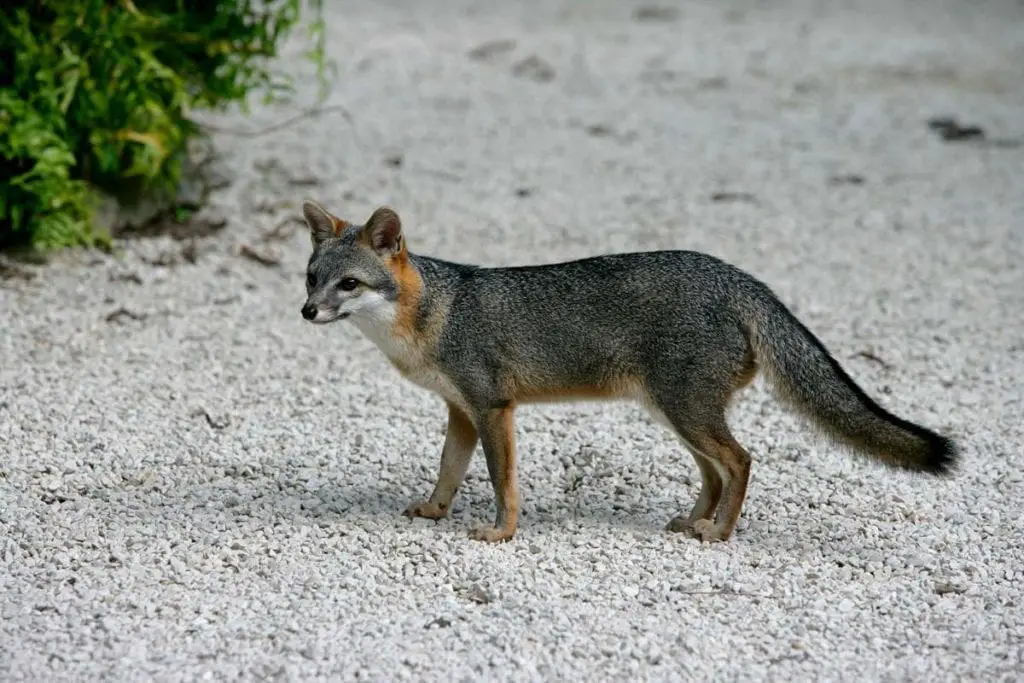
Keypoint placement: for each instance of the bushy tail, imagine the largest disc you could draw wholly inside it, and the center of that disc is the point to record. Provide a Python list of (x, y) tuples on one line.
[(807, 377)]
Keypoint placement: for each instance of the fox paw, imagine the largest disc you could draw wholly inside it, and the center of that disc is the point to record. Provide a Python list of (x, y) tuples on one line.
[(680, 525), (491, 534), (688, 525), (707, 531), (426, 509)]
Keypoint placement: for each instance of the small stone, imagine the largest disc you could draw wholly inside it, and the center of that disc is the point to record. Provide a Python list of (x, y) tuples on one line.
[(920, 561), (478, 595)]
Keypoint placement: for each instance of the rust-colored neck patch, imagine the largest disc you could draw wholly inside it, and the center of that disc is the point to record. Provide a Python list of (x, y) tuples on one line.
[(410, 292)]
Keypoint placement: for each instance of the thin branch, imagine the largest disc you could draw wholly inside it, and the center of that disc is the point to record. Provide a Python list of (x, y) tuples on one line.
[(743, 594), (309, 113)]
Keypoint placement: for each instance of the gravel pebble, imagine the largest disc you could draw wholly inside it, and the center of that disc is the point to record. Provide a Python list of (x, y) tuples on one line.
[(207, 487)]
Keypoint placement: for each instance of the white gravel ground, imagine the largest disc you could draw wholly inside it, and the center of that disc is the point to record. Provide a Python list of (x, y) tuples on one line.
[(214, 489)]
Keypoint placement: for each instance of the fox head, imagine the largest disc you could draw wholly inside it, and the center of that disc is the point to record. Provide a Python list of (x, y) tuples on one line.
[(359, 271)]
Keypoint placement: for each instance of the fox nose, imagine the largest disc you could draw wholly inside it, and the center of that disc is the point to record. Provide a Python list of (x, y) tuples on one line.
[(309, 311)]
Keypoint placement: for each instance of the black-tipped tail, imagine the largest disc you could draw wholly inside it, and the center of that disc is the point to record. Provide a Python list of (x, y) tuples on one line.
[(810, 379), (942, 455)]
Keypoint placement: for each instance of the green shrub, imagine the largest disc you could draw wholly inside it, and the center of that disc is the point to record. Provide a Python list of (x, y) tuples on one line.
[(96, 94)]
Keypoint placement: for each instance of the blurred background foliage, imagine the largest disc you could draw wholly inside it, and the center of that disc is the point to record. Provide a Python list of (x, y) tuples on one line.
[(96, 94)]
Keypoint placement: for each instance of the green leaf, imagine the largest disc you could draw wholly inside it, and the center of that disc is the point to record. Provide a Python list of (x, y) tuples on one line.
[(100, 93)]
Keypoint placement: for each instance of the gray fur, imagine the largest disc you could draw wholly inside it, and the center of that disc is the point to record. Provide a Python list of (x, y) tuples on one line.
[(686, 328)]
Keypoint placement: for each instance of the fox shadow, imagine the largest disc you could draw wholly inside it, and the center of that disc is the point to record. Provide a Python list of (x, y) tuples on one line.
[(286, 500)]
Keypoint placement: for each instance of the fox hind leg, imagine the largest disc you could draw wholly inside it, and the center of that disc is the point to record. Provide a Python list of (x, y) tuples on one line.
[(725, 470), (734, 460), (709, 497), (695, 408)]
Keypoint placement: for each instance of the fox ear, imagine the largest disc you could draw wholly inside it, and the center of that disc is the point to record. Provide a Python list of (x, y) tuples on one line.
[(322, 225), (383, 231)]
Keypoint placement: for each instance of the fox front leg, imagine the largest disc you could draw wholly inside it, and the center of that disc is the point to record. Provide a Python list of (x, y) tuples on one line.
[(497, 435), (459, 444)]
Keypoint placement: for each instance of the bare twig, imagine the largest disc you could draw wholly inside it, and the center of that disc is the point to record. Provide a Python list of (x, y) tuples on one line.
[(440, 622), (440, 173), (309, 113), (126, 277), (215, 421), (733, 197), (123, 312), (259, 257), (742, 594), (868, 355), (283, 230)]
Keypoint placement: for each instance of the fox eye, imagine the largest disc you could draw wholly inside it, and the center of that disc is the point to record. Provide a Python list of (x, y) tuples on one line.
[(310, 280), (348, 284)]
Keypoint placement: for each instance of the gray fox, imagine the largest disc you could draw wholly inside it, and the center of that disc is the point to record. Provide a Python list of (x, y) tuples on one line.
[(680, 332)]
